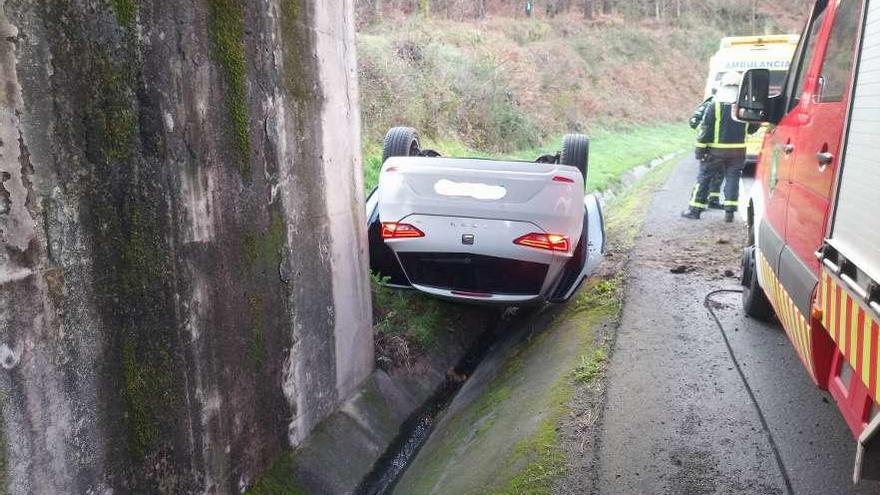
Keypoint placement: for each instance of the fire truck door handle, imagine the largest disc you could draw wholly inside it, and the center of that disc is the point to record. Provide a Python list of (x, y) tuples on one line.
[(825, 158), (789, 149)]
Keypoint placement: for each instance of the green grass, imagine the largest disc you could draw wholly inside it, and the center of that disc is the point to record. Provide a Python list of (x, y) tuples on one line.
[(409, 314), (612, 153), (546, 457), (590, 367)]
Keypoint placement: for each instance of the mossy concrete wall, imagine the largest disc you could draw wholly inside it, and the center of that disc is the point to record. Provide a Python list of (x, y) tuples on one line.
[(183, 288)]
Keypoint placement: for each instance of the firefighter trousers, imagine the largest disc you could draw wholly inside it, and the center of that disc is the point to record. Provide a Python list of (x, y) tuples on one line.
[(715, 189), (730, 166)]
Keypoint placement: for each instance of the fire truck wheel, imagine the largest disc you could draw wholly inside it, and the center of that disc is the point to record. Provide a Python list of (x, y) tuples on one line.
[(400, 141), (755, 302)]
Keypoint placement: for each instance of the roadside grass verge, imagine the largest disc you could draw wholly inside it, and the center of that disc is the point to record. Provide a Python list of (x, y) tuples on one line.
[(612, 152), (591, 366), (601, 300)]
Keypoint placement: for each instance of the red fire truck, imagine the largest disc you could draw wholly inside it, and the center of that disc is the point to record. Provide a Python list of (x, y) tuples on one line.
[(814, 213)]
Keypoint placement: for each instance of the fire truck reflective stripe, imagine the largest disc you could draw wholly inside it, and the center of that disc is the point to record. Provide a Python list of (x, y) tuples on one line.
[(796, 325), (836, 310), (872, 355), (859, 323), (853, 328), (852, 319), (847, 326), (841, 320), (836, 295), (865, 344)]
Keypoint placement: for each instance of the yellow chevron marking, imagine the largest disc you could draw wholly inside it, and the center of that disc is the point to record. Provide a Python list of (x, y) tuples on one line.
[(848, 335), (853, 330), (824, 302), (841, 321), (794, 323), (867, 344)]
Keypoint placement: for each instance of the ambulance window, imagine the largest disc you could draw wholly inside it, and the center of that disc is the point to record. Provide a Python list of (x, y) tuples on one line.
[(838, 63), (806, 57)]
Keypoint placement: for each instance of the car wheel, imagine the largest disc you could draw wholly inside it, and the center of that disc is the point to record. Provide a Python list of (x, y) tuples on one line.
[(755, 302), (400, 141), (576, 152)]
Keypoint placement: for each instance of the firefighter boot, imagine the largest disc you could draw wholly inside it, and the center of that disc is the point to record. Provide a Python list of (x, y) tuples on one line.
[(715, 203), (691, 214), (728, 216)]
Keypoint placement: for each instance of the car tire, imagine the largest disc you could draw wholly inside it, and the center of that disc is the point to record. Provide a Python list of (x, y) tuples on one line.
[(754, 300), (400, 141), (576, 152)]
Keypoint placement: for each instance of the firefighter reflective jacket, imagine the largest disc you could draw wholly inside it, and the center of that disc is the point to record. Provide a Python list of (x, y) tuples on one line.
[(697, 118), (719, 131)]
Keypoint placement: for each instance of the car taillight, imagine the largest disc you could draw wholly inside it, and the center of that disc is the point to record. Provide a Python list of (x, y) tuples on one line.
[(564, 180), (550, 242), (394, 230)]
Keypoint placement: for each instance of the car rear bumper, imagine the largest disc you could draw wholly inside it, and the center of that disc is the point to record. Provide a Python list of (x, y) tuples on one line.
[(479, 298), (471, 275), (473, 259)]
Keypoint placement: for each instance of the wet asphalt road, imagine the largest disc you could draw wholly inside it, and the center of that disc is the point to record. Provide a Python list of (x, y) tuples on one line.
[(678, 418)]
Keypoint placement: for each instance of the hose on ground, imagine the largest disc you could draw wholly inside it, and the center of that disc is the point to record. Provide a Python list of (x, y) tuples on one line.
[(706, 302)]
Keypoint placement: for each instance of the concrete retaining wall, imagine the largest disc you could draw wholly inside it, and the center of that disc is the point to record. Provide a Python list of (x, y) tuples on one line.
[(183, 291)]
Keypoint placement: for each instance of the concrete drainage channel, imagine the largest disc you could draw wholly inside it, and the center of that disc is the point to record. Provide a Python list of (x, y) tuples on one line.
[(391, 466)]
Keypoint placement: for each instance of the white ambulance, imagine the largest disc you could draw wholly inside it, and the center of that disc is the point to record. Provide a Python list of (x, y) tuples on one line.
[(771, 52)]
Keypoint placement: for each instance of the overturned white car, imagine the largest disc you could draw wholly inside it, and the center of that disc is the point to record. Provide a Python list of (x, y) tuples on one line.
[(502, 232)]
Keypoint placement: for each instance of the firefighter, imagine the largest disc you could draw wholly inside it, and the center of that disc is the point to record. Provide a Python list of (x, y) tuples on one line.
[(695, 121), (721, 149)]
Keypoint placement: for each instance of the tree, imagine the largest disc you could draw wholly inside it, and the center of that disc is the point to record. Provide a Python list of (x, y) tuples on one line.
[(480, 10), (608, 7)]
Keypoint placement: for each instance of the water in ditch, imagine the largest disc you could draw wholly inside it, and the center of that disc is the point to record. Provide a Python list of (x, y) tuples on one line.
[(415, 432)]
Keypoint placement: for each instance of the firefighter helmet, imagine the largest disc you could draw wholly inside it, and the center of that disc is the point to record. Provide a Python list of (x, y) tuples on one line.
[(731, 79)]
